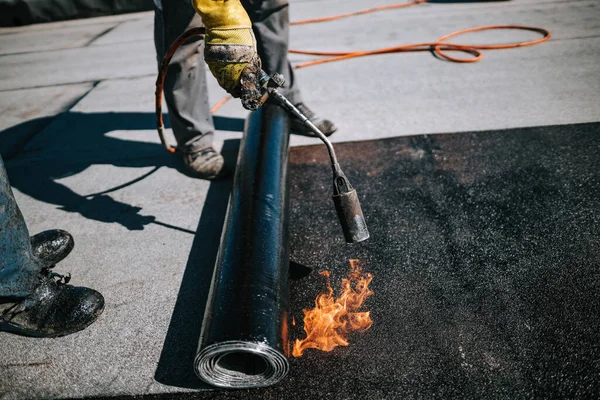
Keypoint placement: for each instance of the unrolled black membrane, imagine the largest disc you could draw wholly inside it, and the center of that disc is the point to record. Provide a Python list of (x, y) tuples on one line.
[(244, 341)]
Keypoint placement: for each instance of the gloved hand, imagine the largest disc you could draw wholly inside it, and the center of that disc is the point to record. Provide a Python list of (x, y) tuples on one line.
[(230, 49)]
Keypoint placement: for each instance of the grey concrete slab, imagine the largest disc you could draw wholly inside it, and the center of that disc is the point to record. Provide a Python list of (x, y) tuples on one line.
[(18, 106), (87, 64), (52, 39), (304, 9), (122, 108), (26, 112), (77, 22), (416, 93), (428, 22), (129, 31), (115, 113)]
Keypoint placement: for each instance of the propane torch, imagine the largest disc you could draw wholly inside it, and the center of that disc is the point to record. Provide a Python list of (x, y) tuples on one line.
[(344, 196)]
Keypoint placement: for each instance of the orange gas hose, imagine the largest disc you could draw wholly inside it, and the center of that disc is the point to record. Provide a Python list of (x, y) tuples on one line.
[(440, 47), (160, 82), (353, 14)]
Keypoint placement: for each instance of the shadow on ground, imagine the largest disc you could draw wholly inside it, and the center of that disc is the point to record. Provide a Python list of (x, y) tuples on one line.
[(175, 366), (84, 142)]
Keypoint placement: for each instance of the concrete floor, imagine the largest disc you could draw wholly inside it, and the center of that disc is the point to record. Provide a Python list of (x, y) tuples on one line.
[(76, 115)]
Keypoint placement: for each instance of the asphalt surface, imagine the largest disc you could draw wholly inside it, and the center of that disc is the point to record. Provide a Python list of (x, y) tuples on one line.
[(484, 252), (77, 136)]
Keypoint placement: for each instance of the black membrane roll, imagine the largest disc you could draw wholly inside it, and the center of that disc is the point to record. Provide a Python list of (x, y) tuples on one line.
[(244, 338)]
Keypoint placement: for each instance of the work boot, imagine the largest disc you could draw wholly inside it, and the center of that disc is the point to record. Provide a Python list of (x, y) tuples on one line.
[(298, 128), (52, 246), (53, 309), (204, 163)]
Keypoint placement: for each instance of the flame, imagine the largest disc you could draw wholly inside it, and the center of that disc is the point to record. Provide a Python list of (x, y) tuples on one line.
[(329, 323)]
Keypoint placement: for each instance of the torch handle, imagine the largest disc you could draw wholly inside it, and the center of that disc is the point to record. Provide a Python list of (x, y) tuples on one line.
[(285, 103)]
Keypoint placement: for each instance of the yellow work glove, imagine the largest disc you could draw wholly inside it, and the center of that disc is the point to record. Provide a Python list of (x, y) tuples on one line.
[(230, 48)]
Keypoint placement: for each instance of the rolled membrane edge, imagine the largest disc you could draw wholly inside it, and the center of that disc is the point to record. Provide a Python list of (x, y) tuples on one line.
[(240, 365)]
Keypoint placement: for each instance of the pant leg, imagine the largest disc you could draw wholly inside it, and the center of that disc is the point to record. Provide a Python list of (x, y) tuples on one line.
[(185, 87), (19, 269), (270, 23)]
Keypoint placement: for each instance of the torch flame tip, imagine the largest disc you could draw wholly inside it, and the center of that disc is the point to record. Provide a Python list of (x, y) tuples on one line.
[(328, 324)]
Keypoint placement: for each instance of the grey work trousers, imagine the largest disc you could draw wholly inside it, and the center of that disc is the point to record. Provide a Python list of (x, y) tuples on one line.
[(185, 84), (19, 269)]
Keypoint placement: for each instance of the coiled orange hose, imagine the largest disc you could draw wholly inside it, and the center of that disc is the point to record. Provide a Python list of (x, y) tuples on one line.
[(439, 47)]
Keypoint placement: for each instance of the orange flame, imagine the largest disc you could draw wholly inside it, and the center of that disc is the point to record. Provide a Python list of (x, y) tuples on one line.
[(329, 323)]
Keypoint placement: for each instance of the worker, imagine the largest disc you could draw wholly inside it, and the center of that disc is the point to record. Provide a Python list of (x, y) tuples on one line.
[(241, 37), (34, 300)]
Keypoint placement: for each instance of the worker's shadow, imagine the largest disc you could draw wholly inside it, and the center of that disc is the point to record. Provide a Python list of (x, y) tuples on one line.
[(176, 363), (82, 140)]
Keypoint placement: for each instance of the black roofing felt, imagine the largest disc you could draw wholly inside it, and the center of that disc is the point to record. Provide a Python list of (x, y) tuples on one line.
[(485, 251)]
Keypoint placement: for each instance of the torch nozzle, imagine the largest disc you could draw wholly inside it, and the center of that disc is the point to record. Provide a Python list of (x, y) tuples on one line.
[(348, 209), (344, 196)]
